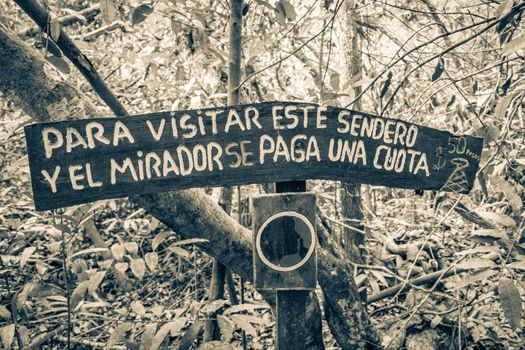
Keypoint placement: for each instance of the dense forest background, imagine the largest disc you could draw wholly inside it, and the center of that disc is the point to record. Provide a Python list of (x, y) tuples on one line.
[(439, 270)]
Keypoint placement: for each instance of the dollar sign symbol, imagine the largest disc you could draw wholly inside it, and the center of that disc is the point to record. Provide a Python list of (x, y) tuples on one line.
[(440, 159)]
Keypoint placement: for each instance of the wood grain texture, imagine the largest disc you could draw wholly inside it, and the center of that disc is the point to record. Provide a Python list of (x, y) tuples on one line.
[(241, 145), (262, 208), (291, 319)]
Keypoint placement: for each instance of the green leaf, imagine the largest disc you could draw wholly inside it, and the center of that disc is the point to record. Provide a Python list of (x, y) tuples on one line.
[(498, 218), (152, 260), (244, 325), (95, 281), (108, 10), (26, 254), (62, 66), (89, 251), (141, 13), (160, 336), (138, 267), (147, 336), (501, 185), (386, 85), (118, 334), (190, 335), (118, 251), (4, 312), (54, 28), (244, 307), (440, 67), (7, 334), (138, 308), (79, 292), (514, 45), (476, 263), (510, 300)]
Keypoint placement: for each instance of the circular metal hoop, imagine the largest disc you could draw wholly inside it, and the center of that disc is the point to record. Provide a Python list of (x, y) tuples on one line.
[(308, 253)]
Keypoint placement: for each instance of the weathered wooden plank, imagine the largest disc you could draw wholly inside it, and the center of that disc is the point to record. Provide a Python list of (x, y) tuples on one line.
[(284, 241), (79, 161), (291, 319)]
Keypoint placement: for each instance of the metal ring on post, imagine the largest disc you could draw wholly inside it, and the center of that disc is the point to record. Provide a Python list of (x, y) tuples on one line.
[(309, 253)]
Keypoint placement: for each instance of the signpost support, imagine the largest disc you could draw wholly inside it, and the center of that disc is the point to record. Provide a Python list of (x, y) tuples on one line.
[(285, 257), (291, 305), (291, 319)]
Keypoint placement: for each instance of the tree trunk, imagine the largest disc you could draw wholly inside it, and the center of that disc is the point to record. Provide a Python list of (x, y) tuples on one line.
[(190, 213), (351, 206)]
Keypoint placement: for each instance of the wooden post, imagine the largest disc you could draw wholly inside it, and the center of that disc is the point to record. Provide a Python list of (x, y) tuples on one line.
[(291, 319), (285, 257), (291, 305)]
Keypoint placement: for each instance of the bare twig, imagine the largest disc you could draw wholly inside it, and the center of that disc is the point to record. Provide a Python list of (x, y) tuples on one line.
[(88, 13), (433, 57), (419, 281), (414, 49), (294, 51), (73, 53)]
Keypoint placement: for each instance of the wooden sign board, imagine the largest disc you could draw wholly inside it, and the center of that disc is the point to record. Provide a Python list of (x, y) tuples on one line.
[(74, 162), (284, 241)]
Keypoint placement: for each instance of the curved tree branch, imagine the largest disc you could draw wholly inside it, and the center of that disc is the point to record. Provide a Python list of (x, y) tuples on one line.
[(190, 213), (73, 53)]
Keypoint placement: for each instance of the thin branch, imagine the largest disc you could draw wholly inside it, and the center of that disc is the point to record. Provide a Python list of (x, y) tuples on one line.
[(462, 93), (343, 224), (386, 69), (457, 80), (294, 51), (439, 54), (87, 13), (449, 49), (419, 281), (73, 53), (410, 9)]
